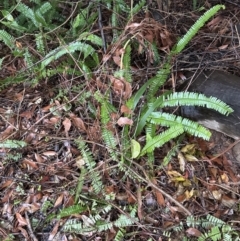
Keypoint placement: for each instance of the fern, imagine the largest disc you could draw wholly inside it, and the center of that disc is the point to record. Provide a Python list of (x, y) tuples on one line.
[(195, 28), (190, 98), (94, 175), (12, 144), (162, 138), (7, 39), (107, 135), (55, 54), (193, 128)]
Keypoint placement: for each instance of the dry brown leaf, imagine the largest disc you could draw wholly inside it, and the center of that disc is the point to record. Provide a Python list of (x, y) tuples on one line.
[(193, 232), (122, 121), (217, 194), (228, 202), (54, 231), (39, 158), (7, 132), (59, 200), (78, 122), (29, 163), (67, 125), (21, 220), (159, 196), (49, 153), (125, 110), (181, 161), (7, 183)]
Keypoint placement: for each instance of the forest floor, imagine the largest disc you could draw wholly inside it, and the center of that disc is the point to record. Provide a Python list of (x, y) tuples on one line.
[(38, 181)]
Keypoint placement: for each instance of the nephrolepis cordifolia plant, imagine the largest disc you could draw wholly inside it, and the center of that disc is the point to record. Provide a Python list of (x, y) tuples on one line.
[(152, 112)]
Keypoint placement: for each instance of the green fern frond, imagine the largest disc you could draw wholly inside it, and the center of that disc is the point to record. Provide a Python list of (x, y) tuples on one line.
[(28, 58), (7, 39), (195, 99), (75, 209), (191, 127), (91, 37), (138, 7), (110, 143), (28, 13), (94, 175), (120, 235), (40, 43), (55, 54), (195, 28), (12, 144), (159, 79), (161, 139), (45, 7)]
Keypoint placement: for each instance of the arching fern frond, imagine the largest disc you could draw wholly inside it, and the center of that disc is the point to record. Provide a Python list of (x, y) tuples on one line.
[(191, 127), (195, 99), (195, 28), (55, 54), (161, 139)]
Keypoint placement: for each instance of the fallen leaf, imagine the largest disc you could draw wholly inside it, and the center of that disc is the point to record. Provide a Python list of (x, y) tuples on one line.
[(122, 121), (49, 153), (193, 232), (21, 220), (125, 110), (67, 125), (181, 161), (78, 122)]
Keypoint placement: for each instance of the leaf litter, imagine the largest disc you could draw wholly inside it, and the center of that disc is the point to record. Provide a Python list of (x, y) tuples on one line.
[(39, 179)]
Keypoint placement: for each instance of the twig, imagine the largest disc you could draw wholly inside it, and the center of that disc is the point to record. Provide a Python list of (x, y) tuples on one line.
[(101, 28), (30, 228), (151, 184)]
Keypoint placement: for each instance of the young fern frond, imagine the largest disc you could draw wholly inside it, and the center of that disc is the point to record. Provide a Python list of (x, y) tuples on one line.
[(191, 127), (162, 138), (195, 99)]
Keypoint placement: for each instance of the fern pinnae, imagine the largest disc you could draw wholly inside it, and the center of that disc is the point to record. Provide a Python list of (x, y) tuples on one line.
[(162, 138), (195, 28), (195, 99), (191, 127), (7, 39)]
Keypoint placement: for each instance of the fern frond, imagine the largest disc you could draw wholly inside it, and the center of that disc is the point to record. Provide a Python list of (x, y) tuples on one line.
[(28, 13), (138, 7), (159, 79), (191, 127), (75, 209), (195, 28), (12, 144), (161, 139), (91, 37), (7, 39), (110, 143), (40, 43), (195, 99), (94, 174), (55, 54)]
